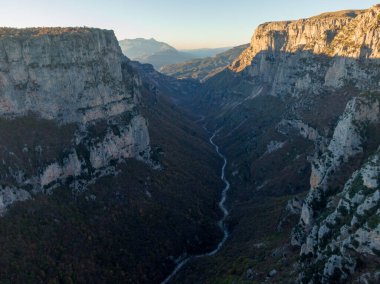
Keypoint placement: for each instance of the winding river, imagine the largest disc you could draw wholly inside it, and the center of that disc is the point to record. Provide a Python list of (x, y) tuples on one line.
[(183, 260)]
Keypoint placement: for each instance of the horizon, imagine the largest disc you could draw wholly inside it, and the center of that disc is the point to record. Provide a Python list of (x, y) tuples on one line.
[(185, 26), (134, 162)]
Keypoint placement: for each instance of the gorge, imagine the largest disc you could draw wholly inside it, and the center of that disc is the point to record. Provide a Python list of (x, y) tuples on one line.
[(107, 174), (181, 262)]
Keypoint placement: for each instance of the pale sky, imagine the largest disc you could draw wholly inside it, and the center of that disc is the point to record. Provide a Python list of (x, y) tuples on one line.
[(181, 23)]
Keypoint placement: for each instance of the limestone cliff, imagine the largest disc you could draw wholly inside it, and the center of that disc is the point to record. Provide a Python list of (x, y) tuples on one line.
[(87, 193), (350, 229), (315, 54), (70, 74), (311, 80), (74, 82)]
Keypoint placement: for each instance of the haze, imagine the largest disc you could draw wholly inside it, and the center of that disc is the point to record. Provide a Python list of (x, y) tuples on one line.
[(183, 24)]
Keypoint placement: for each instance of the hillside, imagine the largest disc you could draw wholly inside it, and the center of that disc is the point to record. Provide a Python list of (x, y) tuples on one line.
[(153, 52), (102, 178), (298, 118), (205, 52), (258, 165), (203, 68), (141, 48)]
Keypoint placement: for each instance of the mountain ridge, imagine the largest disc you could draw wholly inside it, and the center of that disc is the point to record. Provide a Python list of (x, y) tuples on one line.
[(303, 102), (160, 54), (153, 52), (202, 69), (117, 167), (94, 156)]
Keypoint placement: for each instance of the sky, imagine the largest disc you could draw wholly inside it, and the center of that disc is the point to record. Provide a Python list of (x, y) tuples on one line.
[(183, 24)]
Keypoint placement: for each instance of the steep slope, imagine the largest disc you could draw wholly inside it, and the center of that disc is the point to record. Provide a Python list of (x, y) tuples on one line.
[(102, 178), (47, 84), (205, 52), (140, 47), (203, 68), (298, 115), (153, 52), (180, 92), (167, 57)]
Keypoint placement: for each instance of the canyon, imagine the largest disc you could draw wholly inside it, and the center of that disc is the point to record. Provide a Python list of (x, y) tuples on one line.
[(110, 170), (93, 158), (298, 113)]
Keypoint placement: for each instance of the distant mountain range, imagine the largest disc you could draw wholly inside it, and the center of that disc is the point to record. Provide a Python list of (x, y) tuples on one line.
[(205, 52), (160, 54), (202, 68)]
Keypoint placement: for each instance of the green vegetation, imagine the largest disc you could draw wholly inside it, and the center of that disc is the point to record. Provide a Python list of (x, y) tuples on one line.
[(376, 252), (42, 31), (125, 227), (30, 143), (201, 69), (357, 186), (343, 211), (373, 221), (251, 247), (323, 215)]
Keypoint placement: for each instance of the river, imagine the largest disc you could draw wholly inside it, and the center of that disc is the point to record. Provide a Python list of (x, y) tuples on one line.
[(183, 260)]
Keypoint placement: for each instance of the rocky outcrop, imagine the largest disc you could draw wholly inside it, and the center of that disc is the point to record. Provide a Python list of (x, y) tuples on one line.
[(304, 130), (315, 54), (130, 141), (274, 146), (71, 74), (352, 227), (318, 79), (76, 78), (9, 195), (67, 154), (314, 34), (347, 141), (203, 68)]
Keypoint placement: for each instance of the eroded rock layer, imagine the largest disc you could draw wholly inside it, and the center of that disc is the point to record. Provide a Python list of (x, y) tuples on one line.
[(298, 114), (75, 93)]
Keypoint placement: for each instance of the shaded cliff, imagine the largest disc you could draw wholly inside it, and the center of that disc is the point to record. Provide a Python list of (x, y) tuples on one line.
[(102, 178), (72, 75), (203, 68), (60, 84), (153, 52), (298, 116)]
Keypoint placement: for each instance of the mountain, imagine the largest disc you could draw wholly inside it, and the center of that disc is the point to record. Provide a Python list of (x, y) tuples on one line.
[(205, 52), (102, 177), (163, 58), (201, 69), (141, 48), (268, 171), (298, 116), (153, 52)]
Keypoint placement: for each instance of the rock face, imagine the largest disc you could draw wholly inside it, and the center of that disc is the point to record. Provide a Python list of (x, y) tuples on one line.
[(140, 48), (203, 68), (71, 75), (293, 59), (314, 34), (73, 78), (315, 54), (153, 52), (331, 239), (303, 100), (351, 229), (10, 195), (346, 142), (83, 173)]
